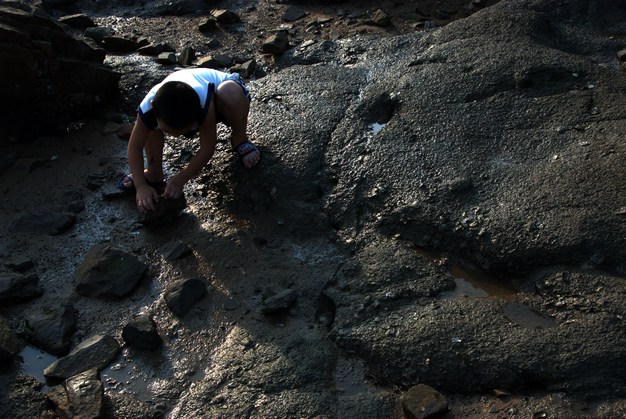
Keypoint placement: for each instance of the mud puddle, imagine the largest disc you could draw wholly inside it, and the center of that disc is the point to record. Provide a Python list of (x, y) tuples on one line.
[(470, 282), (527, 317), (350, 377), (34, 361)]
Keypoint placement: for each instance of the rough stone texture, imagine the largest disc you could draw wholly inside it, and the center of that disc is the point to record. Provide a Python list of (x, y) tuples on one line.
[(279, 302), (107, 272), (85, 394), (43, 223), (48, 77), (276, 44), (141, 333), (95, 352), (10, 344), (51, 329), (16, 288), (174, 249), (183, 295), (384, 162), (422, 402)]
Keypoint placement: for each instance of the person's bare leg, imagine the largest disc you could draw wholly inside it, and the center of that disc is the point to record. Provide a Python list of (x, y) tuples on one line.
[(154, 156), (234, 105)]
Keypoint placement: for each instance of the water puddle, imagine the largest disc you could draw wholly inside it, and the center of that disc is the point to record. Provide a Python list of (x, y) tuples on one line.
[(132, 375), (463, 289), (527, 317), (34, 361), (376, 127), (471, 282), (350, 377)]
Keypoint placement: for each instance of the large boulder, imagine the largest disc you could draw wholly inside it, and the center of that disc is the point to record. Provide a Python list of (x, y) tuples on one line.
[(47, 76)]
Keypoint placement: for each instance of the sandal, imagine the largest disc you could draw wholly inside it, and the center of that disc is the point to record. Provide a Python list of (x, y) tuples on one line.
[(120, 184), (244, 149)]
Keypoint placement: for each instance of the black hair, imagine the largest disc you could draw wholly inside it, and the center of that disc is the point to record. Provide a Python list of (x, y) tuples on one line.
[(177, 104)]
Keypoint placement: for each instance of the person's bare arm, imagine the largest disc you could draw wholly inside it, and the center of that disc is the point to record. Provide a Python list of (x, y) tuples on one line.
[(208, 140), (145, 195)]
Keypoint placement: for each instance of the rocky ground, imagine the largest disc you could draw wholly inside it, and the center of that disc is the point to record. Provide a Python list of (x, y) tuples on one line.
[(419, 216)]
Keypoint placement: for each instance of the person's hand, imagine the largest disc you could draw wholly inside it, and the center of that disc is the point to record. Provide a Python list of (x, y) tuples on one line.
[(146, 196), (173, 188)]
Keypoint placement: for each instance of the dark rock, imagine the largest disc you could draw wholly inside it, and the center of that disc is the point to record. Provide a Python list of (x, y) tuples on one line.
[(85, 395), (293, 13), (166, 58), (183, 295), (141, 333), (10, 344), (19, 263), (245, 70), (174, 249), (57, 396), (166, 210), (208, 25), (279, 302), (422, 402), (152, 50), (96, 180), (127, 405), (276, 44), (51, 329), (107, 272), (96, 352), (79, 21), (43, 223), (38, 59), (187, 56), (74, 202), (112, 192), (16, 288), (225, 17), (208, 62), (98, 33), (621, 55), (379, 18), (7, 160), (119, 44)]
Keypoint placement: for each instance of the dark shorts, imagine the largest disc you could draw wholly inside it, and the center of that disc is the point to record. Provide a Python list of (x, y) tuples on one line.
[(218, 116)]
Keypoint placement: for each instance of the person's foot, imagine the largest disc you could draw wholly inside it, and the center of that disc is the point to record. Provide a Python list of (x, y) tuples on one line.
[(127, 183), (248, 153)]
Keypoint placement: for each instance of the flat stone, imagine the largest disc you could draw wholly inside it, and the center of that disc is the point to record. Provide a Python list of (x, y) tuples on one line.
[(43, 223), (107, 272), (79, 21), (19, 263), (166, 58), (276, 44), (119, 44), (208, 25), (279, 302), (174, 249), (226, 17), (85, 394), (51, 329), (141, 333), (96, 352), (422, 401), (10, 344), (166, 210), (293, 13), (183, 295), (16, 288)]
